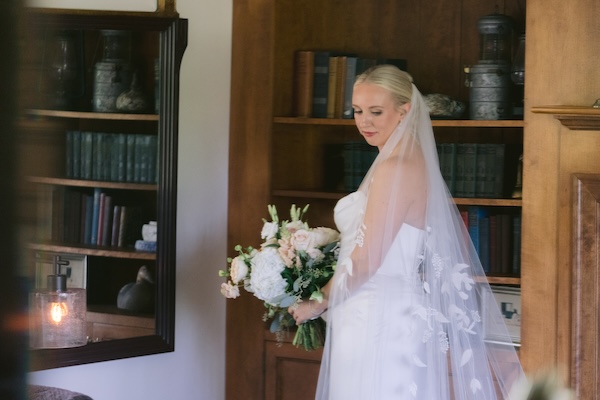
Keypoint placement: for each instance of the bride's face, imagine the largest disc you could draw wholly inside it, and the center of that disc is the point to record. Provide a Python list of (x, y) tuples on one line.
[(375, 113)]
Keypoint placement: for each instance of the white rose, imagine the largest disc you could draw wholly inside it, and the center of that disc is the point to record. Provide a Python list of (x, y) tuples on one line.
[(269, 230), (315, 254), (302, 240), (294, 226), (323, 236), (230, 291), (238, 270)]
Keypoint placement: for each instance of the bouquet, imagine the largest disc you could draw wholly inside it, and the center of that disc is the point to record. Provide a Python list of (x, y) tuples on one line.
[(293, 263)]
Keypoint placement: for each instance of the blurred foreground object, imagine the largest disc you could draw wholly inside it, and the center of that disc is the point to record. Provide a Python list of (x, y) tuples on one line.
[(547, 386)]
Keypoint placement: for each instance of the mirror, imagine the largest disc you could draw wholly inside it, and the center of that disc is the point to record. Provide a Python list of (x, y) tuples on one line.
[(69, 99)]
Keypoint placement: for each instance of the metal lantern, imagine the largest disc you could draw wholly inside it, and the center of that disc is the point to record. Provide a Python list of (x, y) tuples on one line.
[(112, 75), (490, 80)]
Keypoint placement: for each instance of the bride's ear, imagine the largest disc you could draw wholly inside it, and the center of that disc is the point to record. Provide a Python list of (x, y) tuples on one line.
[(405, 108)]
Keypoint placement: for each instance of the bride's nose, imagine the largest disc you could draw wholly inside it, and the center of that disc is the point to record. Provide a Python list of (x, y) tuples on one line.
[(364, 121)]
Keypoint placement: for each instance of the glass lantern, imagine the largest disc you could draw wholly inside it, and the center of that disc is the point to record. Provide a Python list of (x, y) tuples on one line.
[(58, 314)]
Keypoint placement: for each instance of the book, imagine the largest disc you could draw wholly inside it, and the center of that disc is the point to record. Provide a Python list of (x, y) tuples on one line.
[(152, 159), (107, 219), (350, 77), (95, 216), (303, 82), (340, 86), (118, 159), (481, 171), (98, 155), (72, 216), (89, 219), (470, 169), (364, 64), (130, 158), (497, 170), (332, 86), (476, 214), (495, 245), (114, 240), (100, 223), (69, 137), (484, 243), (516, 245), (320, 84), (459, 177), (506, 244), (87, 150), (448, 165)]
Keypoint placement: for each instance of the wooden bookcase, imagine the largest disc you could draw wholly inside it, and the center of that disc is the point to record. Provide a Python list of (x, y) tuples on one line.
[(559, 132), (276, 158), (52, 197)]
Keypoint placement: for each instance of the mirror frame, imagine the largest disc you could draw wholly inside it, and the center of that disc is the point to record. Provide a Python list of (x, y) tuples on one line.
[(173, 41)]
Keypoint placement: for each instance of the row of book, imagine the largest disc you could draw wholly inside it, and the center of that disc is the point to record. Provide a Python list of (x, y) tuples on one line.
[(94, 218), (117, 157), (473, 169), (323, 81), (496, 237)]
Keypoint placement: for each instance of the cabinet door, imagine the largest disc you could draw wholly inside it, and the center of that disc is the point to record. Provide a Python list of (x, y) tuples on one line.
[(291, 373)]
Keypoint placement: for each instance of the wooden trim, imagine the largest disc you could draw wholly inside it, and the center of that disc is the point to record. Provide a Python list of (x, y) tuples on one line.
[(585, 346), (573, 117), (461, 123)]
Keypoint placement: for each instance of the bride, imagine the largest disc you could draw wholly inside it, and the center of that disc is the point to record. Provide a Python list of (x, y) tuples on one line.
[(404, 307)]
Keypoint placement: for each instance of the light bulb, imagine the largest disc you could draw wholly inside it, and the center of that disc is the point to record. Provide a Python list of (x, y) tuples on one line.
[(58, 311)]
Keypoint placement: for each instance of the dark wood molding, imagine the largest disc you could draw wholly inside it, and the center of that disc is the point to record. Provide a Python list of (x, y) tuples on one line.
[(585, 346), (573, 117)]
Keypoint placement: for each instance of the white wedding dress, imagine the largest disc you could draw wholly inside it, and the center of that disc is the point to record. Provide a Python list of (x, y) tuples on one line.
[(374, 335)]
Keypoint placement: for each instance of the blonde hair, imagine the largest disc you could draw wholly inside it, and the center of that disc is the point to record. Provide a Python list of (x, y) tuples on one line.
[(391, 78)]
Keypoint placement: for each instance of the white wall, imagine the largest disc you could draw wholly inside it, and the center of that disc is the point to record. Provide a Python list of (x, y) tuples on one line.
[(196, 370)]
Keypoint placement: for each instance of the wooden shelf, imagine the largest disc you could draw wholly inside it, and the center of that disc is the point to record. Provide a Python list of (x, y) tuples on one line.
[(436, 122), (92, 115), (313, 194), (503, 280), (95, 184), (98, 251), (573, 117)]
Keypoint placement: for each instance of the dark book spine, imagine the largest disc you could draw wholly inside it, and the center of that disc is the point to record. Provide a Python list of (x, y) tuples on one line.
[(350, 76), (130, 158), (116, 222), (95, 216), (320, 84)]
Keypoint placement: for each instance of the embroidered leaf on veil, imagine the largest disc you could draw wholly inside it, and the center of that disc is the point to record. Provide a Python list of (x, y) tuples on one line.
[(441, 318), (426, 287), (475, 385), (421, 312), (466, 356), (418, 361), (460, 278)]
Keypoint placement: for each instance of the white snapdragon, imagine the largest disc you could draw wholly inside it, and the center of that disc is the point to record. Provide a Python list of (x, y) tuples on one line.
[(269, 230)]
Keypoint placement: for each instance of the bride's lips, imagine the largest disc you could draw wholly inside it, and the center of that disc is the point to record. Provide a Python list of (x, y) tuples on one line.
[(368, 133)]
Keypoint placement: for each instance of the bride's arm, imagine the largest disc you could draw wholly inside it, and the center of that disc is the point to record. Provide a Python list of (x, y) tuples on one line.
[(386, 210)]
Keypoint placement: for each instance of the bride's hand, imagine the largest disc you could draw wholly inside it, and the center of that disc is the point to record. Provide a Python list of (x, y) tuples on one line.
[(307, 310)]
